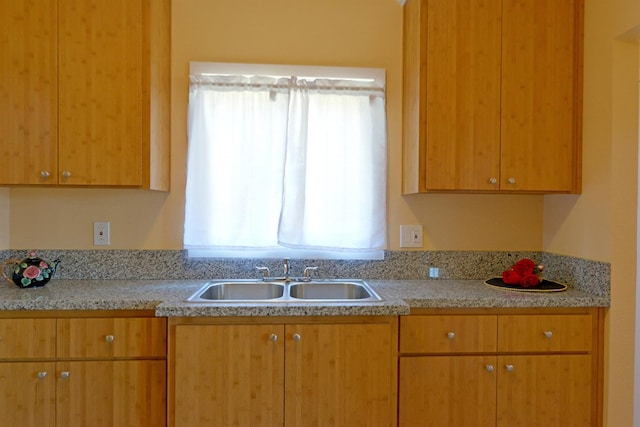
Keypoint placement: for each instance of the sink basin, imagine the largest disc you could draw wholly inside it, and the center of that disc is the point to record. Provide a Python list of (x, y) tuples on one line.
[(332, 291), (239, 291), (256, 291)]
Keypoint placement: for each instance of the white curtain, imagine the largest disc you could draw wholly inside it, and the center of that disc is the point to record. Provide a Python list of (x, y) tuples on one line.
[(285, 162)]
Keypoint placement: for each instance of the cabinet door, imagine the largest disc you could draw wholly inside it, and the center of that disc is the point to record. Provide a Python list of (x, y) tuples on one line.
[(447, 391), (228, 375), (540, 95), (100, 91), (111, 393), (28, 89), (339, 375), (27, 394), (545, 390), (463, 94)]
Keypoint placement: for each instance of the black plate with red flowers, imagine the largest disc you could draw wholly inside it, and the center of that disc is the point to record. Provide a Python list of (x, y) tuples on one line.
[(543, 286)]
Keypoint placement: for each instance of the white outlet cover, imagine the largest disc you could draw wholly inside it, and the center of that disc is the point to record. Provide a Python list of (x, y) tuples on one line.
[(101, 233)]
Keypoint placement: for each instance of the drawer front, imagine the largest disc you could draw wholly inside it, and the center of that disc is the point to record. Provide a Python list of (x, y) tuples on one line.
[(544, 333), (27, 338), (447, 334), (112, 337)]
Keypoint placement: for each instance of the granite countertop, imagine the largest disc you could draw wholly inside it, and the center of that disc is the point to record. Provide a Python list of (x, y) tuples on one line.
[(168, 298)]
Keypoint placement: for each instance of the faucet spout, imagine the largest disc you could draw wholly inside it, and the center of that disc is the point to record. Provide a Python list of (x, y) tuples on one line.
[(286, 269)]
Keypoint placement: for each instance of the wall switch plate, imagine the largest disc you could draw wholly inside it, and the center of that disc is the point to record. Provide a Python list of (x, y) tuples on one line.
[(410, 236), (101, 233)]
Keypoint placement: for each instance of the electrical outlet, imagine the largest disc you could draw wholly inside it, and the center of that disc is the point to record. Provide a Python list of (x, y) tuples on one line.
[(410, 236), (102, 233)]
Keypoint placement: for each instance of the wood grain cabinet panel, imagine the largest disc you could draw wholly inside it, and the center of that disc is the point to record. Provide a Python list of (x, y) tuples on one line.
[(29, 90), (545, 333), (453, 383), (112, 337), (89, 90), (67, 372), (28, 394), (492, 96), (288, 374), (448, 334), (111, 393), (27, 338), (549, 390), (544, 371)]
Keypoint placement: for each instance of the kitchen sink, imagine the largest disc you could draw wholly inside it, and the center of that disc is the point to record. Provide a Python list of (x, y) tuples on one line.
[(239, 291), (246, 291), (330, 291)]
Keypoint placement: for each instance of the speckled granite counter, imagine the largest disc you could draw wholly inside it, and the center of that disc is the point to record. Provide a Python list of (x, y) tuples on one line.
[(168, 298)]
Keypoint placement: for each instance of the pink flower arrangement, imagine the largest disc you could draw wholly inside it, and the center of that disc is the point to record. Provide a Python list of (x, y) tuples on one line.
[(524, 273)]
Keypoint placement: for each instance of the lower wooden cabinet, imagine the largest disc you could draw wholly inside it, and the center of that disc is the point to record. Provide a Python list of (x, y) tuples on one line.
[(28, 394), (511, 368), (79, 372), (297, 372)]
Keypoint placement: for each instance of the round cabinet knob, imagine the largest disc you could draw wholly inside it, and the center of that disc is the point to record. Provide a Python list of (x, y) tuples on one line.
[(110, 338), (511, 181), (65, 375), (548, 334), (451, 335), (42, 375), (493, 180), (273, 337), (296, 337), (66, 174), (44, 174), (489, 368), (509, 368)]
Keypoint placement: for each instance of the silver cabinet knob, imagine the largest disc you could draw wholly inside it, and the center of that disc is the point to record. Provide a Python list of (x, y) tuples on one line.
[(44, 174), (273, 337), (548, 334), (296, 337), (42, 375), (493, 180), (511, 180), (509, 368), (489, 368), (66, 174), (451, 335), (109, 338), (65, 375)]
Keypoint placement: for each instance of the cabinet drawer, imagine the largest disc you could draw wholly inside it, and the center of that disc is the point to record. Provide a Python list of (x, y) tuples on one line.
[(27, 338), (112, 337), (447, 334), (532, 333)]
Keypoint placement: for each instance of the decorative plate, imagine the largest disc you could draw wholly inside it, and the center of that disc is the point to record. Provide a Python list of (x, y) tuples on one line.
[(543, 286)]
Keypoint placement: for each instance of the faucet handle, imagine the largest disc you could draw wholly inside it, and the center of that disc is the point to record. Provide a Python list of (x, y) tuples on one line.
[(265, 272), (308, 271)]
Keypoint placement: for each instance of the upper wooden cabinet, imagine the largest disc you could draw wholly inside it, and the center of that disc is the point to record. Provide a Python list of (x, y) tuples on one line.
[(87, 84), (492, 96)]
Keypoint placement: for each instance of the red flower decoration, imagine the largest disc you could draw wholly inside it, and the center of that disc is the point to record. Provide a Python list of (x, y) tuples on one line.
[(524, 273)]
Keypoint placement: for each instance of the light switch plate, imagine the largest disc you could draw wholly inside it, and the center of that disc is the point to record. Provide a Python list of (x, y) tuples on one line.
[(411, 236)]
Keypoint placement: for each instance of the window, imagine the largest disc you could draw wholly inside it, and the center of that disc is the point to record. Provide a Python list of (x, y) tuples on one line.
[(286, 161)]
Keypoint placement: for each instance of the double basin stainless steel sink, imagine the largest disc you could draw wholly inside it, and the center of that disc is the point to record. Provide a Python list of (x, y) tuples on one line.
[(251, 291)]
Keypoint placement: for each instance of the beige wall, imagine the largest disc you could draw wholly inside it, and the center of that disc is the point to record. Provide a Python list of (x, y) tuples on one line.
[(329, 32)]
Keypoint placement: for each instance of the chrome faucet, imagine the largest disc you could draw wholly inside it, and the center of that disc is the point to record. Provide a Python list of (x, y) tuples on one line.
[(266, 273), (286, 269)]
